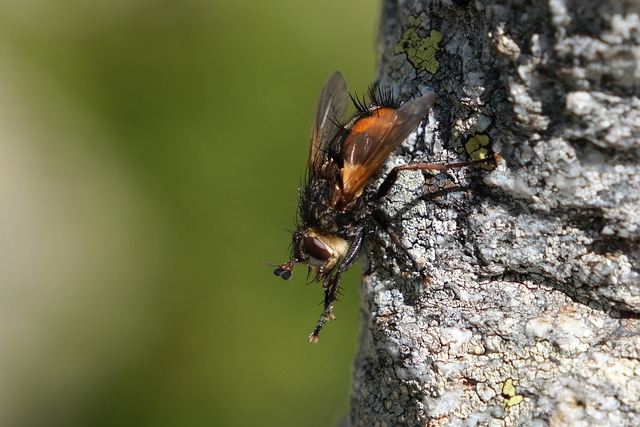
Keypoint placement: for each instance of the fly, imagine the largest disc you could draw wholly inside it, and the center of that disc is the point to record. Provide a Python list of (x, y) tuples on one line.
[(338, 206)]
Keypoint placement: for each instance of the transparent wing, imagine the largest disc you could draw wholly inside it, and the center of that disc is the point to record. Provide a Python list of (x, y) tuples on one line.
[(332, 107)]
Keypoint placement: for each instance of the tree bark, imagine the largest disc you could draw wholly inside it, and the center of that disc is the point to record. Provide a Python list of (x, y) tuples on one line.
[(531, 314)]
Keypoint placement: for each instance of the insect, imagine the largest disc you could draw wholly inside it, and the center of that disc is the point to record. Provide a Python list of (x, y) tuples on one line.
[(338, 205)]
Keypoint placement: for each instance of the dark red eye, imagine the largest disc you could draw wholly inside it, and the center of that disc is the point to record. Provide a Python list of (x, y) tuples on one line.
[(316, 249)]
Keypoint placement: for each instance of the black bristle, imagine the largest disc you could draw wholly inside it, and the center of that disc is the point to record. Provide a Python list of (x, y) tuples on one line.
[(361, 105), (375, 97), (383, 97)]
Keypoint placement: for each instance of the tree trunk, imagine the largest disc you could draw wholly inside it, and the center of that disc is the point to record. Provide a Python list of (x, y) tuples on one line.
[(531, 316)]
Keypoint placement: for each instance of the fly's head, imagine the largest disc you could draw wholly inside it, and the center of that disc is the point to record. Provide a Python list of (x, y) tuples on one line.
[(321, 252)]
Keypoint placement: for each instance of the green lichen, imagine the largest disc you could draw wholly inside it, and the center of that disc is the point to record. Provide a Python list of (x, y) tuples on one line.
[(420, 51), (478, 147)]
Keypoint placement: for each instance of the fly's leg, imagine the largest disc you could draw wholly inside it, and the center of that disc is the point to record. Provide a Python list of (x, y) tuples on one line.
[(392, 176), (332, 285), (329, 297), (383, 219)]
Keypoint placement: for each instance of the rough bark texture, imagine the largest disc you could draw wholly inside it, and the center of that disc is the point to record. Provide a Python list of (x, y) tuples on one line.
[(531, 315)]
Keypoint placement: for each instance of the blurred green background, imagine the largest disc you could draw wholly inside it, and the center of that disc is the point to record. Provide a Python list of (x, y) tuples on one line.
[(150, 154)]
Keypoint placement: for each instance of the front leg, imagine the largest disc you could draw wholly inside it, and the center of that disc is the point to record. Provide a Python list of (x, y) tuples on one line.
[(331, 285)]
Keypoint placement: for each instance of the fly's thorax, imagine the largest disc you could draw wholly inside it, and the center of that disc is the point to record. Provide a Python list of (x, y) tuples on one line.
[(315, 210)]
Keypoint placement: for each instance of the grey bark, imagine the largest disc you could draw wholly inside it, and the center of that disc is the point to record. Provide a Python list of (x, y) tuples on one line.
[(531, 314)]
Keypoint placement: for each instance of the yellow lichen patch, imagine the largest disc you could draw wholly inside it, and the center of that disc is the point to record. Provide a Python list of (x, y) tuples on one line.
[(420, 51), (478, 147), (509, 392)]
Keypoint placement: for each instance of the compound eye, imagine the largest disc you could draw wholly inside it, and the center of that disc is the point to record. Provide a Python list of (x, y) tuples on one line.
[(316, 249)]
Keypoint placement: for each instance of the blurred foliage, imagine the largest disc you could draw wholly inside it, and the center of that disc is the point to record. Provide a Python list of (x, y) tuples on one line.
[(150, 154)]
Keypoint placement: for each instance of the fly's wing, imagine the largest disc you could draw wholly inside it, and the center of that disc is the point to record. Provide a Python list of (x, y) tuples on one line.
[(373, 139), (332, 107)]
